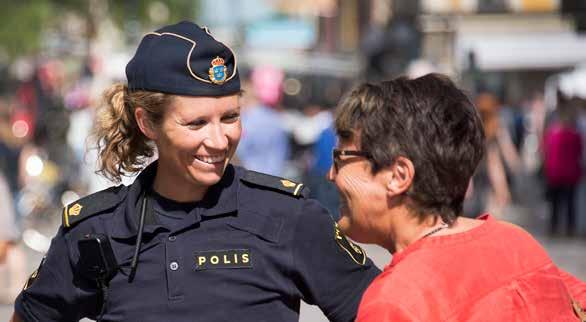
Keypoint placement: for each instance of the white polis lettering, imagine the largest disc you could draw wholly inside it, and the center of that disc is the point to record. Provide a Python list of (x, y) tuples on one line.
[(226, 258)]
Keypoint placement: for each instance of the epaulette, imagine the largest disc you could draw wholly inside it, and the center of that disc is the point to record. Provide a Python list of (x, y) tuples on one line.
[(91, 205), (274, 183)]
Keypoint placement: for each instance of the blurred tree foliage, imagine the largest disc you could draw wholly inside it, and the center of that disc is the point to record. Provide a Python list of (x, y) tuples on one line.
[(20, 25), (22, 22)]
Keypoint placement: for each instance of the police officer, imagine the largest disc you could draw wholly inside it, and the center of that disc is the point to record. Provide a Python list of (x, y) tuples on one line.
[(194, 238)]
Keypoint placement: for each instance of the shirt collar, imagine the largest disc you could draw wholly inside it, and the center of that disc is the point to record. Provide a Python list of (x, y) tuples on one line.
[(126, 218), (221, 198)]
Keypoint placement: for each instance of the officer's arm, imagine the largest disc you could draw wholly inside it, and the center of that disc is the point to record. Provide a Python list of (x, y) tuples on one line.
[(51, 293), (331, 272)]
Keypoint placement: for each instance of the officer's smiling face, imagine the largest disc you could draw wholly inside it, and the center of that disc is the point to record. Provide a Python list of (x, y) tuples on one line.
[(363, 196), (197, 139)]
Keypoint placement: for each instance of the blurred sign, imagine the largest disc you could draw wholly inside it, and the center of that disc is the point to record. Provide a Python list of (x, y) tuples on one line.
[(281, 33), (492, 6), (218, 13), (489, 6), (535, 5), (324, 8)]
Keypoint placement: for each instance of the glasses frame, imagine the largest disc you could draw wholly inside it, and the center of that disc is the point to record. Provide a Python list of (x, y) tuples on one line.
[(337, 153)]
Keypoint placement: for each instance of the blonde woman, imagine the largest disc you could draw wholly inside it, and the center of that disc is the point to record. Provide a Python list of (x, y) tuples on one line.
[(193, 238)]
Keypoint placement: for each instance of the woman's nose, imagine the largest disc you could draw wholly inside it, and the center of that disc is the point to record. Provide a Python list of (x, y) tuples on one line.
[(217, 139)]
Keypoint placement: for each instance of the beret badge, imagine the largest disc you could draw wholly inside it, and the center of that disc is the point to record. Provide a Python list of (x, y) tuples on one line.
[(218, 71)]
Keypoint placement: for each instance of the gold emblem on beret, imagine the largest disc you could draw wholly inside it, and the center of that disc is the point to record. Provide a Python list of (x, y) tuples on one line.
[(218, 71), (288, 184), (75, 210)]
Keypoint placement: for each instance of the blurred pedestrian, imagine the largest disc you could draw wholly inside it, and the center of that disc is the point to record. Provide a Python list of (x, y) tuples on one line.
[(407, 150), (321, 162), (9, 232), (193, 237), (263, 124), (12, 259), (490, 189), (562, 148)]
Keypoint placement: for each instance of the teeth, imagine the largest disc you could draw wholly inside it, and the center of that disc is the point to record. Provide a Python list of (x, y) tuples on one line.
[(210, 159)]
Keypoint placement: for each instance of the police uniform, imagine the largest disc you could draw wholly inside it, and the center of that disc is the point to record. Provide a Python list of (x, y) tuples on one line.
[(250, 250)]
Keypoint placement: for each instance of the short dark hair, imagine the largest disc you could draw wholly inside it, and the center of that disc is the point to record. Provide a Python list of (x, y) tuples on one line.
[(427, 120)]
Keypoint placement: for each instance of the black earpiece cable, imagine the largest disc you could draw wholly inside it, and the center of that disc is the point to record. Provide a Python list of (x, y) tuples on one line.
[(134, 263), (104, 289)]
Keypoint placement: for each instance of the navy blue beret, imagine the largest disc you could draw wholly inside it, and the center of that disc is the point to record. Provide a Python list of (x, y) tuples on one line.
[(183, 59)]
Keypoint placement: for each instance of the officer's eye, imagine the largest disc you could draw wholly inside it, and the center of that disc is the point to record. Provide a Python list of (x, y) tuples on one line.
[(231, 117), (196, 124)]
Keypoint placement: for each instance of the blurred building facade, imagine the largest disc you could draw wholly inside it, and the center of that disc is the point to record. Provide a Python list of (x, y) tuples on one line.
[(515, 44)]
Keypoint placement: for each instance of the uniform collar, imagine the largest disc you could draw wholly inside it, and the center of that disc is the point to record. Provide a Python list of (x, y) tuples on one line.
[(126, 217), (221, 198)]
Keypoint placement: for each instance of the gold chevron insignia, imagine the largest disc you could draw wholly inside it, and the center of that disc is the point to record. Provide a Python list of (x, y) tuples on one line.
[(75, 210), (288, 184)]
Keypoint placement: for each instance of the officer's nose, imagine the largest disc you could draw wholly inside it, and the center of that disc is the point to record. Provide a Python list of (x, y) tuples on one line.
[(217, 138)]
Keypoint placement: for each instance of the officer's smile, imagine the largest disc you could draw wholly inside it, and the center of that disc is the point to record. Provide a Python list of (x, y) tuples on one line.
[(211, 159)]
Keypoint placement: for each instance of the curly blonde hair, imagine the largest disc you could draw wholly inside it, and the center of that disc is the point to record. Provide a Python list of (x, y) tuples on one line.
[(122, 147)]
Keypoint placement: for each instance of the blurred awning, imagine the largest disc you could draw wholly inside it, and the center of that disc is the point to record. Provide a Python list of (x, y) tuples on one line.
[(518, 43)]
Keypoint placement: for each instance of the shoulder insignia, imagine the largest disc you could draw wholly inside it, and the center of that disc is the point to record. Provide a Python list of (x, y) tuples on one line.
[(275, 183), (357, 254), (91, 205), (33, 277)]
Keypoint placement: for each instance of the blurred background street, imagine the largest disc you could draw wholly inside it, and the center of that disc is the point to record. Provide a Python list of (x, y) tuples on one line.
[(523, 63)]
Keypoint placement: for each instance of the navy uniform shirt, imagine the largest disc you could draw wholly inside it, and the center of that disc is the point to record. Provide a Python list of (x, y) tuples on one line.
[(249, 251)]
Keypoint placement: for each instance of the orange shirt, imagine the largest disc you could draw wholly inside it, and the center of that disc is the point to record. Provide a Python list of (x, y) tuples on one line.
[(494, 272)]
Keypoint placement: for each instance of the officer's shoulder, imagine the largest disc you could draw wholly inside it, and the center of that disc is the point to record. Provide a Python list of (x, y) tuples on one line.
[(91, 205), (265, 181)]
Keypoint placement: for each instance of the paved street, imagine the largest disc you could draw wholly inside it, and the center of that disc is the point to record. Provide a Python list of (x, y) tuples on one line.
[(568, 253)]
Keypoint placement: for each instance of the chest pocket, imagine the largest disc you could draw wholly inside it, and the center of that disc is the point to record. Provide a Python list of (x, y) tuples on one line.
[(264, 227), (243, 241)]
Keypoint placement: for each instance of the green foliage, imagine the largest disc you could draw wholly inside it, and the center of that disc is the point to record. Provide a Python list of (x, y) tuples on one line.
[(22, 21)]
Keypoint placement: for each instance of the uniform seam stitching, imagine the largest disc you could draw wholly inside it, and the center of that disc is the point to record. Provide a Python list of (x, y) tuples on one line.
[(292, 270)]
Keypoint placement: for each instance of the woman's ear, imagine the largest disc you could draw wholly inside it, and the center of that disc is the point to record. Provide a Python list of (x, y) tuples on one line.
[(402, 173), (145, 125)]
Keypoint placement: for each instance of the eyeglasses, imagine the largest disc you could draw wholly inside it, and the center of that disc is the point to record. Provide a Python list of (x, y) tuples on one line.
[(337, 153)]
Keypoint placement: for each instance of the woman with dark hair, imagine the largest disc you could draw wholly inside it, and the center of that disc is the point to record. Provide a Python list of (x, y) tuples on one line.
[(193, 238), (407, 150)]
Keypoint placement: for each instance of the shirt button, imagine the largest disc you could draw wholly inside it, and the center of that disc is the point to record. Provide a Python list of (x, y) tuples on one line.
[(172, 238), (174, 266)]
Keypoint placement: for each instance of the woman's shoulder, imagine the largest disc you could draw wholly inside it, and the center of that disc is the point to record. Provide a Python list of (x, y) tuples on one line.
[(268, 194), (261, 182), (91, 205)]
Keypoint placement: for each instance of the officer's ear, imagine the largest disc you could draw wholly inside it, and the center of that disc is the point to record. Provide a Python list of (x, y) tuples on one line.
[(400, 176), (146, 126)]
